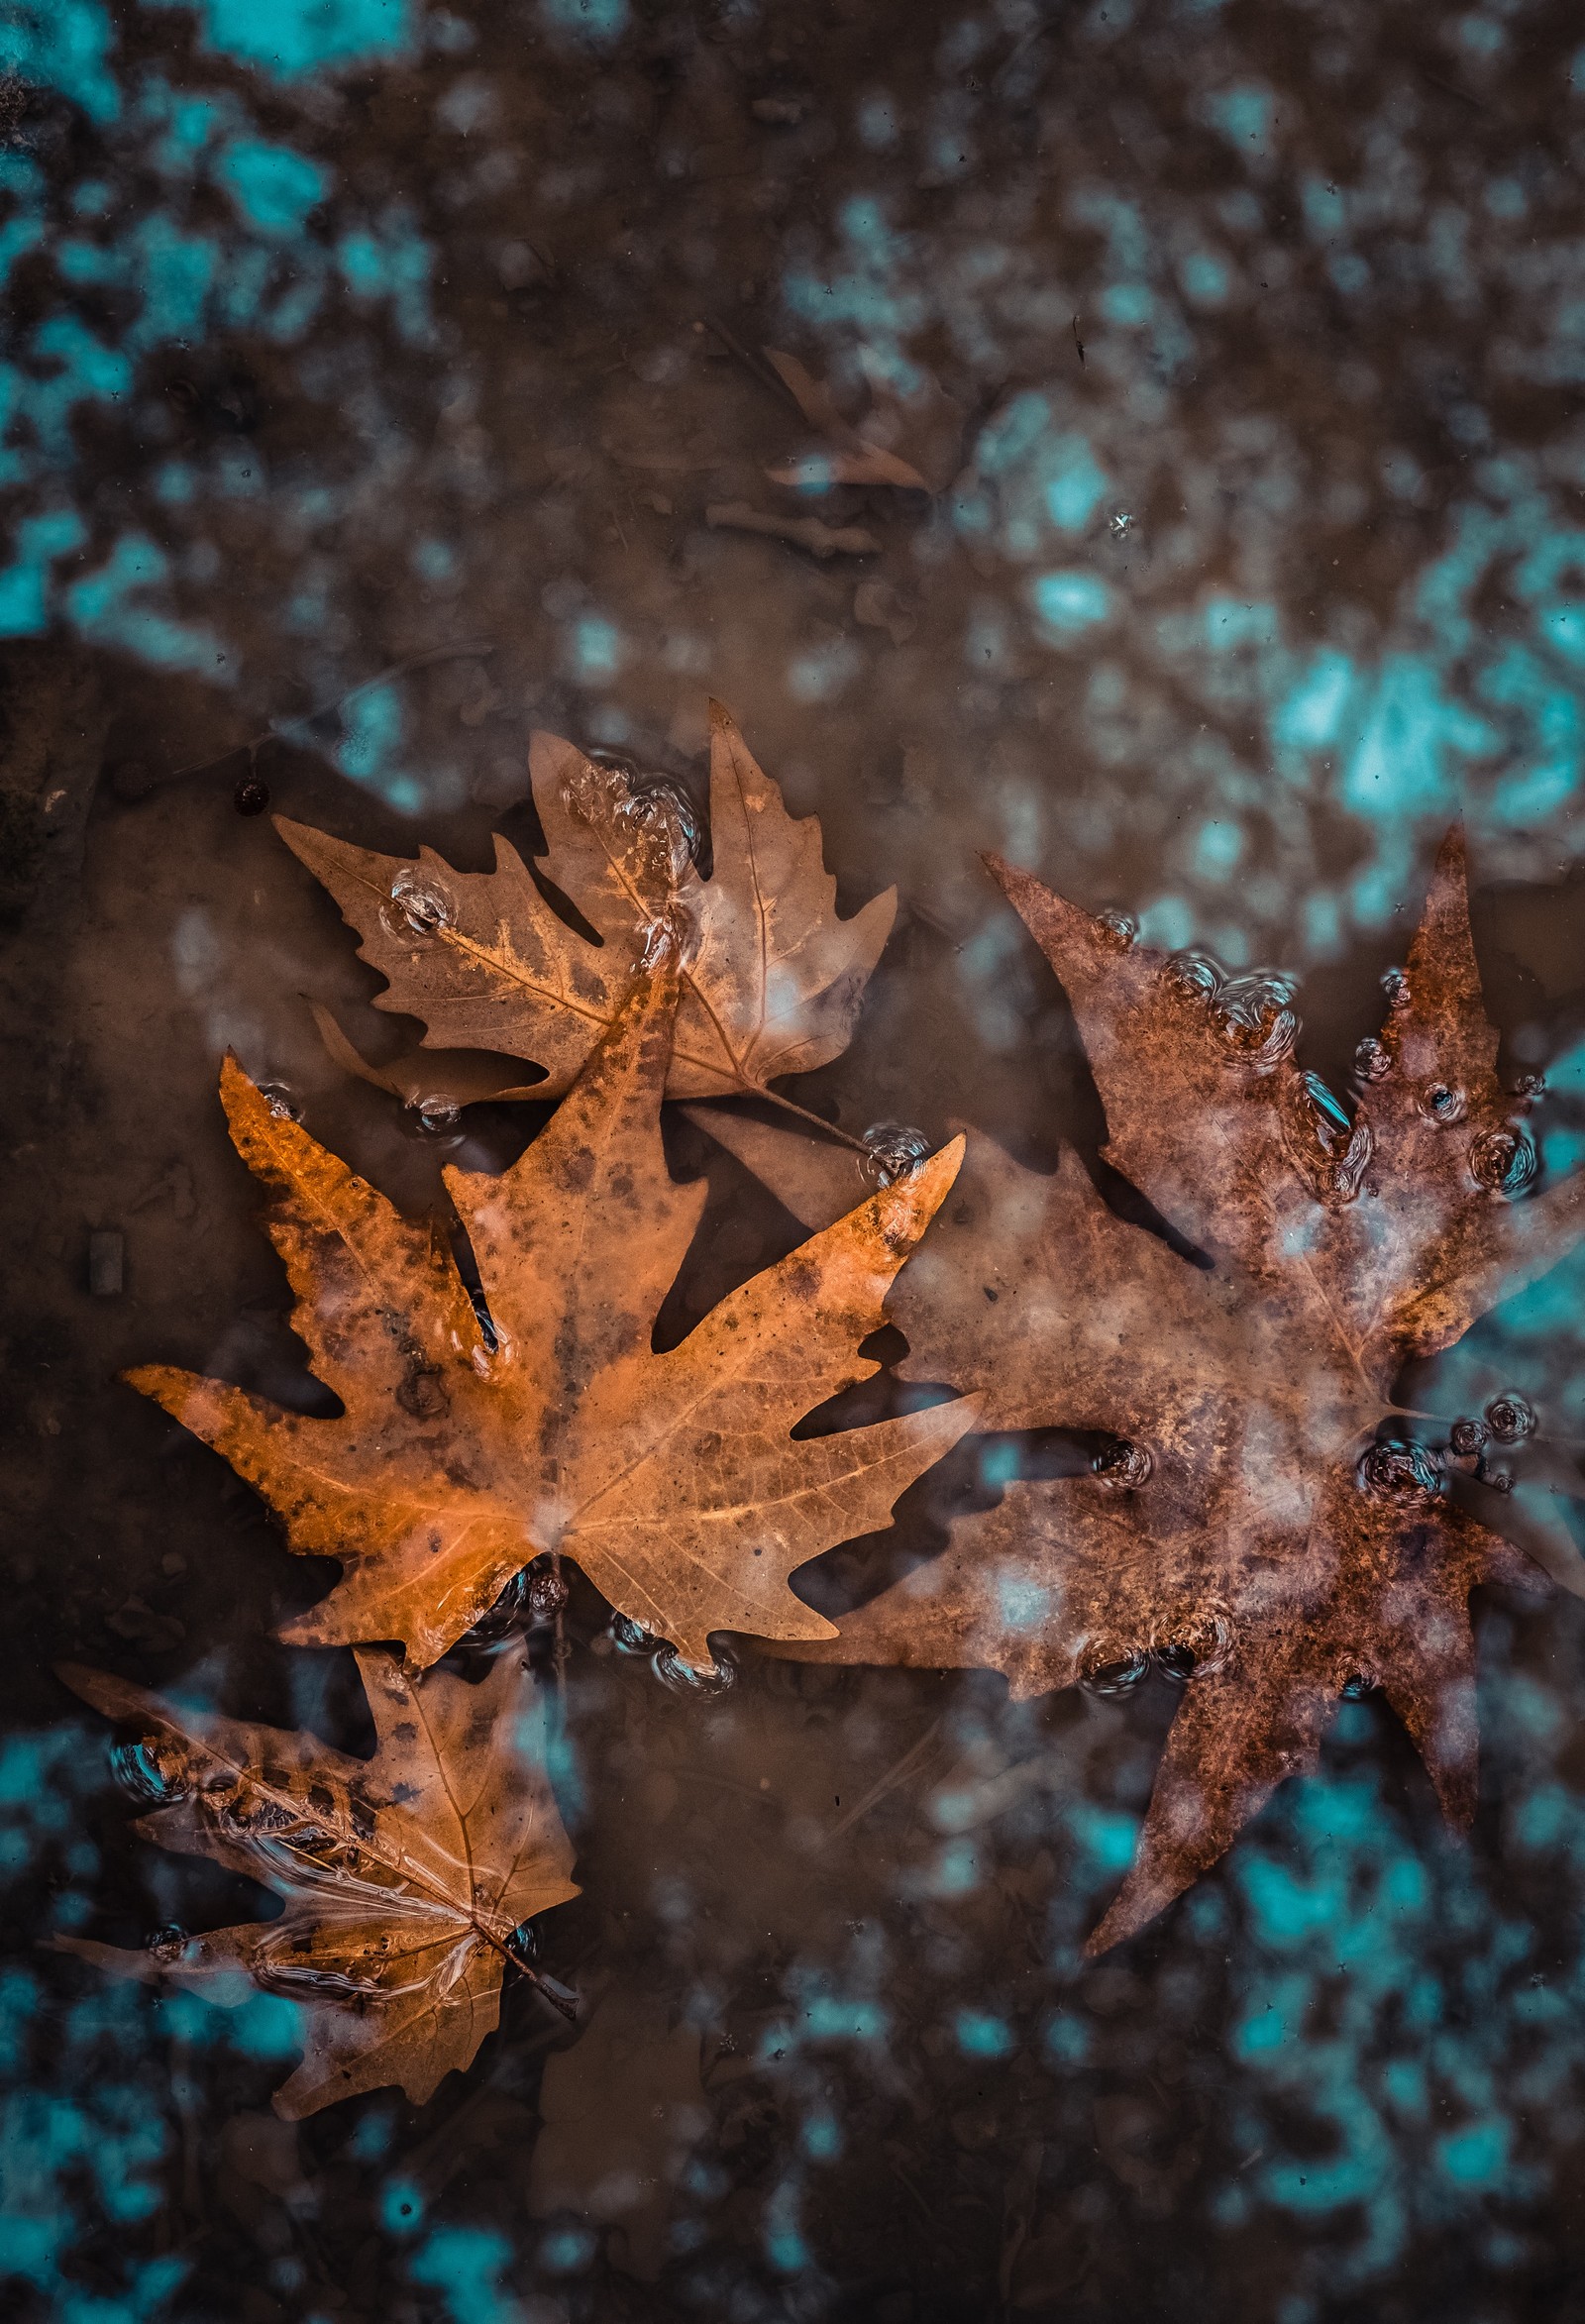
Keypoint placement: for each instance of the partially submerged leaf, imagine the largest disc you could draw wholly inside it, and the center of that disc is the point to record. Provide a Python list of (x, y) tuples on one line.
[(1260, 1508), (404, 1875), (804, 532), (435, 1080), (673, 1479), (773, 979), (927, 421)]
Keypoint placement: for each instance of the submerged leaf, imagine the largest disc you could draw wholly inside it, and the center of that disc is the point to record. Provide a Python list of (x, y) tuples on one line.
[(673, 1479), (1260, 1510), (404, 1876), (772, 980)]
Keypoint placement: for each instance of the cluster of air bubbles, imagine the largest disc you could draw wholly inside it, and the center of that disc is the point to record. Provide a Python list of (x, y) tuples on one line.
[(893, 1150), (284, 1104), (166, 1945), (1530, 1085), (1373, 1060), (419, 903), (1504, 1161), (1122, 1466), (1111, 1672), (1400, 1469), (1511, 1417), (150, 1771), (1395, 984), (681, 1678), (531, 1600), (1258, 1020), (1444, 1105), (609, 787), (1195, 974), (1118, 928)]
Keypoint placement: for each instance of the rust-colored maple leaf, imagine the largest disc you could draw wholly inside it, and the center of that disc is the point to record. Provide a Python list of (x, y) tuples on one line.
[(1259, 1506), (465, 1450), (406, 1877), (773, 981)]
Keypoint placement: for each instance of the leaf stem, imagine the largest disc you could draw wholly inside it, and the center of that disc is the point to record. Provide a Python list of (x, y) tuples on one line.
[(843, 1137)]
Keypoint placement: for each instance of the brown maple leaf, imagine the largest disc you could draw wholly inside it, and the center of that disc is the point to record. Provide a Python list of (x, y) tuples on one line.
[(405, 1876), (463, 1452), (773, 981), (1258, 1508)]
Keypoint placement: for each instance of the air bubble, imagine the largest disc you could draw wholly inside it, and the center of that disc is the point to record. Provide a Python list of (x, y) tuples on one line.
[(1195, 974), (891, 1150), (419, 903), (1504, 1161), (251, 796), (531, 1600), (1373, 1060), (1117, 928), (284, 1104), (1398, 1469), (1511, 1417), (1530, 1085), (437, 1116), (1500, 1477), (652, 811), (1466, 1440), (167, 1945), (1444, 1105), (1109, 1672), (630, 1637), (1257, 1021), (153, 1771), (1123, 1467), (1395, 984), (1193, 1642), (1356, 1686), (680, 1678), (1331, 1117)]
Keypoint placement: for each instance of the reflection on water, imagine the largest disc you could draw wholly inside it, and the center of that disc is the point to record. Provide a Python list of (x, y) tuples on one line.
[(1142, 441)]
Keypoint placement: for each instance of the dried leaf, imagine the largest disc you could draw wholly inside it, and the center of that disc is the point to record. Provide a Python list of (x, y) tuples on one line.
[(1246, 1511), (404, 1875), (673, 1479), (867, 454), (774, 979)]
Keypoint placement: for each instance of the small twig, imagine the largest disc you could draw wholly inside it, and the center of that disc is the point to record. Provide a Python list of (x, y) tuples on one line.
[(470, 649), (896, 1774), (767, 373), (1451, 90), (843, 1137)]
